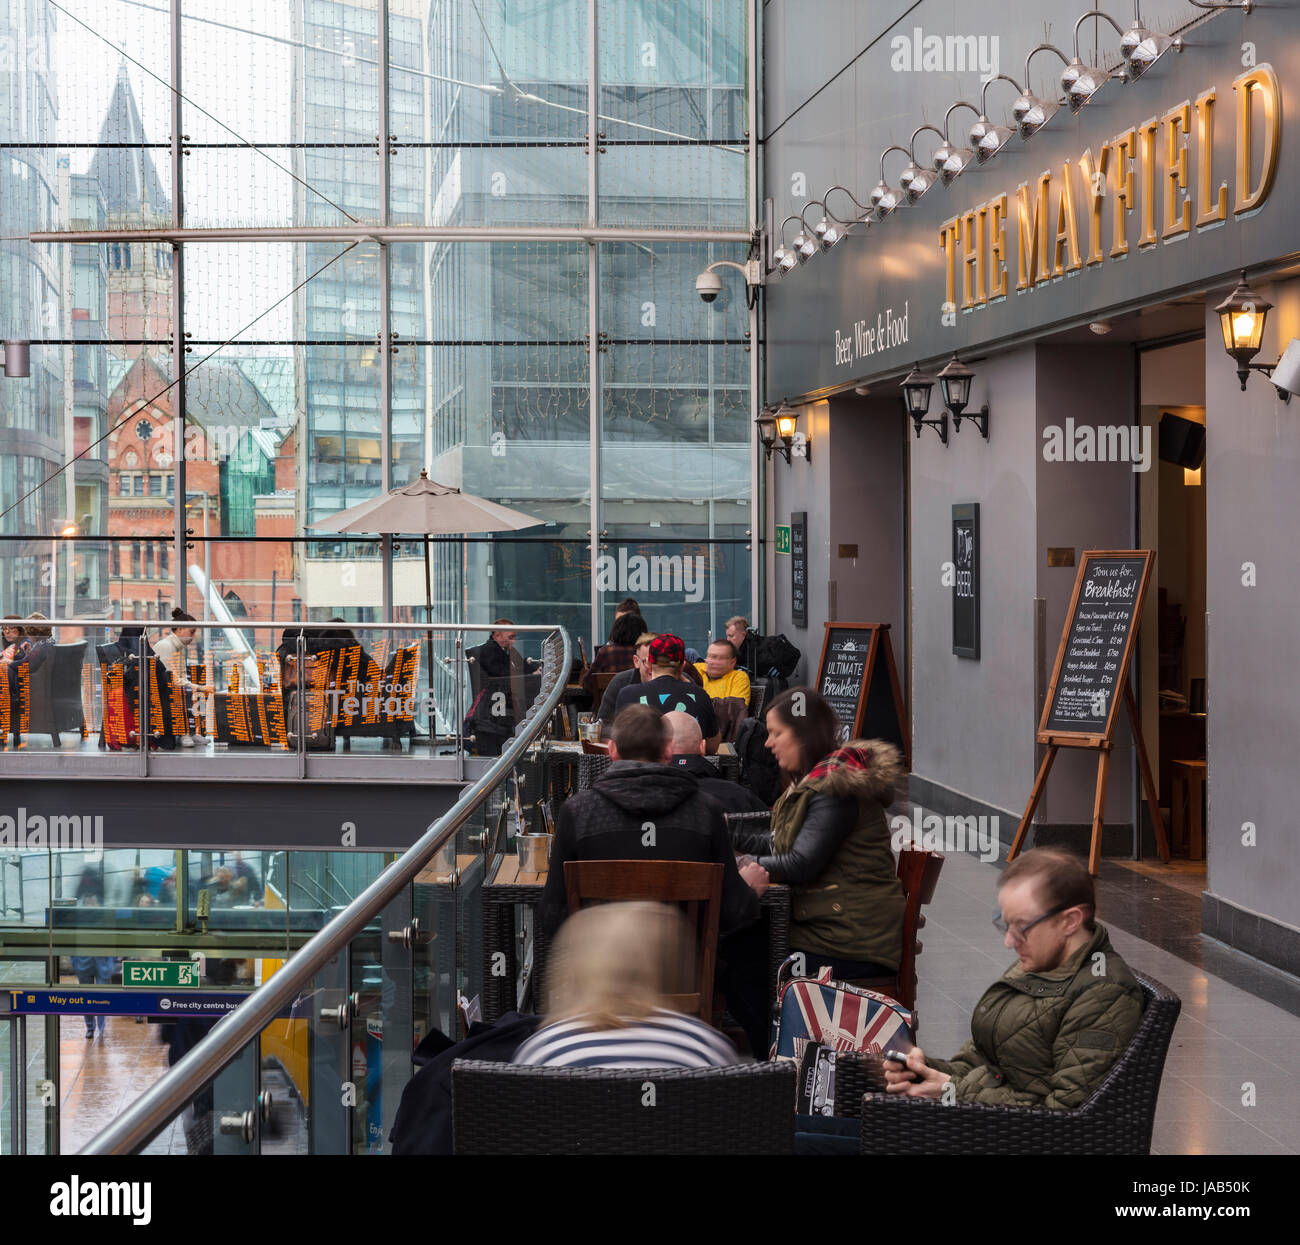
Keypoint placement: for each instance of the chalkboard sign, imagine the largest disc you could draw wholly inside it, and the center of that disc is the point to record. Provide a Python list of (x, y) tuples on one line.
[(966, 580), (799, 568), (857, 677), (1096, 645)]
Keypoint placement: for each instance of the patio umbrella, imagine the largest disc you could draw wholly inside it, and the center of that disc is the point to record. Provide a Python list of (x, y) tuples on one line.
[(427, 508)]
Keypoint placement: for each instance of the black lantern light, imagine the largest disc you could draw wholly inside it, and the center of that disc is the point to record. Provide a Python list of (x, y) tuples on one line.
[(771, 437), (1243, 315), (916, 401), (955, 382)]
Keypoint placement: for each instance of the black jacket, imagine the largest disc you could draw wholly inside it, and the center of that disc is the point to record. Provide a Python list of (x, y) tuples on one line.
[(609, 702), (829, 822), (730, 795), (747, 654), (423, 1121), (606, 823)]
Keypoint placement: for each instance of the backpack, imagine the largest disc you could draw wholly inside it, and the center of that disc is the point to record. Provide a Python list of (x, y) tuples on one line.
[(758, 768), (777, 657), (836, 1015)]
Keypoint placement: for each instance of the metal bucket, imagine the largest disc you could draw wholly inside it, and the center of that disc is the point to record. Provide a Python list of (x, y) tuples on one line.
[(534, 852)]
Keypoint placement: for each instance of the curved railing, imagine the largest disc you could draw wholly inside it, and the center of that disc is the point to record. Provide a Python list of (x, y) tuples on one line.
[(163, 1102)]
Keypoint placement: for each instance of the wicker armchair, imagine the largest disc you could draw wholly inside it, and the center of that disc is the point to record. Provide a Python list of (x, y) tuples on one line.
[(1117, 1119), (510, 1109)]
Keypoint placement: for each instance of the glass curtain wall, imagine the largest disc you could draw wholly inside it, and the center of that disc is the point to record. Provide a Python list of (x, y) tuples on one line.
[(319, 372)]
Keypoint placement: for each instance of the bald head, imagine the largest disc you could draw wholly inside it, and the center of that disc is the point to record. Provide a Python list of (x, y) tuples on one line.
[(686, 736)]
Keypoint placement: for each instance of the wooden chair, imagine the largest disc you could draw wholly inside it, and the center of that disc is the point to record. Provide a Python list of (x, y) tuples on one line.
[(918, 871), (694, 885), (599, 684), (594, 748)]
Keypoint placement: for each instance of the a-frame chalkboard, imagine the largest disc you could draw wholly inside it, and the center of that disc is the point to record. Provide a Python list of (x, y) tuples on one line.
[(857, 676), (1091, 677)]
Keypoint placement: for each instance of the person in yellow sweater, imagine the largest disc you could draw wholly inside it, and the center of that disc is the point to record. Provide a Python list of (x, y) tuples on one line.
[(719, 673)]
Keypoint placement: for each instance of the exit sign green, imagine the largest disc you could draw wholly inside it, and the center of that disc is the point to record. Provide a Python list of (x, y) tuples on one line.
[(162, 974), (783, 538)]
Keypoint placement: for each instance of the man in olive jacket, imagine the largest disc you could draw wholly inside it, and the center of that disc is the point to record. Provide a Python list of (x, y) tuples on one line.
[(1048, 1030)]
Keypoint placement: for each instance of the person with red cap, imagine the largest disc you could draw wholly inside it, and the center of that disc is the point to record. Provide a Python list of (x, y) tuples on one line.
[(667, 692)]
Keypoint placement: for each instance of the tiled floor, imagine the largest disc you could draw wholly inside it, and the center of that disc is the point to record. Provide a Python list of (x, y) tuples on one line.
[(1232, 1080)]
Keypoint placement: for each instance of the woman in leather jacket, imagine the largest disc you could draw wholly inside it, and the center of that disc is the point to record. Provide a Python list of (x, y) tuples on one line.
[(829, 840)]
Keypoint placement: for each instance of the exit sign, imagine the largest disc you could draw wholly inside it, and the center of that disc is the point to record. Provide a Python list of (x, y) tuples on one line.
[(163, 974), (783, 538)]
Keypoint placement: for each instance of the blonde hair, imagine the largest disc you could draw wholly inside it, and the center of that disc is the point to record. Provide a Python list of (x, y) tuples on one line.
[(614, 963)]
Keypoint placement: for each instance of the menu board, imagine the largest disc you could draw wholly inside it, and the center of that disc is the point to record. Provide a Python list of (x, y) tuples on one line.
[(799, 568), (1096, 644), (857, 677), (966, 580), (841, 674)]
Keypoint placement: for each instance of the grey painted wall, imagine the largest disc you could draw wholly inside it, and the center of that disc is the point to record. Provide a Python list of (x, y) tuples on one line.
[(853, 490), (1253, 515)]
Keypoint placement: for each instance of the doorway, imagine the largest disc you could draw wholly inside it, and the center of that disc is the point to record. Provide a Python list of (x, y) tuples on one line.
[(1173, 649)]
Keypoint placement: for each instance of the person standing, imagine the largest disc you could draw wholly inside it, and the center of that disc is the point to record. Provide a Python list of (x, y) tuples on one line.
[(745, 642), (170, 650)]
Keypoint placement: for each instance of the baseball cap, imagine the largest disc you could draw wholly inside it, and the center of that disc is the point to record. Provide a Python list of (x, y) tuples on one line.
[(667, 649)]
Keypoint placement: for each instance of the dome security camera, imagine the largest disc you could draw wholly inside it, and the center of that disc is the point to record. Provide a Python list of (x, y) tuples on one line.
[(708, 285), (1286, 376)]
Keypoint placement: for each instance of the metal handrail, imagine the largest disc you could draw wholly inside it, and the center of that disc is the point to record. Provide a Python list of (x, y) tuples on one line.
[(159, 1105)]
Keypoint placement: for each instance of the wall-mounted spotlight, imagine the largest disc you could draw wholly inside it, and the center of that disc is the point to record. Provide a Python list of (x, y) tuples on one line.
[(914, 180), (16, 356), (951, 161), (784, 257), (885, 198), (1031, 111), (1141, 48), (954, 383), (916, 402), (832, 228), (1081, 82), (988, 139), (1242, 316)]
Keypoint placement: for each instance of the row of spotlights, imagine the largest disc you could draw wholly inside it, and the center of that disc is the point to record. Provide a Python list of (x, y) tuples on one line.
[(1139, 47)]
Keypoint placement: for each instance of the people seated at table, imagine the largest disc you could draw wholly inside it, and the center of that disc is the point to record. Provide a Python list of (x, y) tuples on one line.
[(1048, 1030), (666, 690), (639, 672), (642, 788), (688, 754), (12, 643), (610, 971), (745, 641), (620, 652), (719, 672)]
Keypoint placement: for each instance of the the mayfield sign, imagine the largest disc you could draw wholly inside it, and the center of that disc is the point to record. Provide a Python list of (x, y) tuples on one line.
[(1158, 176)]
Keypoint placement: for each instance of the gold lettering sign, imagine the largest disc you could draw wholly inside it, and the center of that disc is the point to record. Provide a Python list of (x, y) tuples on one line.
[(1146, 168)]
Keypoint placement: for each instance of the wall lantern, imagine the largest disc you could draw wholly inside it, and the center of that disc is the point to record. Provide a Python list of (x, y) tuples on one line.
[(16, 357), (954, 382), (1242, 316), (916, 401), (776, 432)]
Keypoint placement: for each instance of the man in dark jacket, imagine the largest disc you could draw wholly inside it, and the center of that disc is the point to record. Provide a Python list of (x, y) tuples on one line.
[(688, 754), (745, 641), (645, 808), (666, 690)]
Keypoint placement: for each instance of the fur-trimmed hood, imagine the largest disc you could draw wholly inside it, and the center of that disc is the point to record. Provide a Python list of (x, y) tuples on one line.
[(862, 768)]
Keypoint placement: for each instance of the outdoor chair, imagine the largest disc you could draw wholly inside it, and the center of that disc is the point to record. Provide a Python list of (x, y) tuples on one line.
[(1116, 1119), (694, 885), (54, 694), (759, 691), (501, 1108)]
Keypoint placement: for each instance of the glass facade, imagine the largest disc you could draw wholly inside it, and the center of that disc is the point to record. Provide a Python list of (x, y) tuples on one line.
[(319, 372)]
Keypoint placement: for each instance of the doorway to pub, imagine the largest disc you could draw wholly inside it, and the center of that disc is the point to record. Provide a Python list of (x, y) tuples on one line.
[(1172, 649)]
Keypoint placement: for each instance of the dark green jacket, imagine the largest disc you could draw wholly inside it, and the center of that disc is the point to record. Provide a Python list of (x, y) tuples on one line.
[(830, 839), (1048, 1039)]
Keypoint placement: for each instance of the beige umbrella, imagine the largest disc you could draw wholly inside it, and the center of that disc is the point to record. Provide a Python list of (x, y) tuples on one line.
[(427, 508)]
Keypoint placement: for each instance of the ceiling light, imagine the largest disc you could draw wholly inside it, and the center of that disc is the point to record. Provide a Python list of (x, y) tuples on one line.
[(1101, 327)]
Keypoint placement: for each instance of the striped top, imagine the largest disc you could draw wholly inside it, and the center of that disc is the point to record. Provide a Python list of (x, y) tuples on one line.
[(662, 1039)]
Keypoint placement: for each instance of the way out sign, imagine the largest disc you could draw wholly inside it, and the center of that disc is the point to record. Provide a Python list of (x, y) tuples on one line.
[(161, 974)]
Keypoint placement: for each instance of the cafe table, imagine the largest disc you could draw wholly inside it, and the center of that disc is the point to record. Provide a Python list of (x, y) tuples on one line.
[(514, 947)]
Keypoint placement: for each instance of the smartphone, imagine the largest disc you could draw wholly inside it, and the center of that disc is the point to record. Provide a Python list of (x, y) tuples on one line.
[(898, 1056)]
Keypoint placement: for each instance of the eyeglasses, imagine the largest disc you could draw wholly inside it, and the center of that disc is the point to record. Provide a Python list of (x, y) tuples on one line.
[(1019, 933)]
